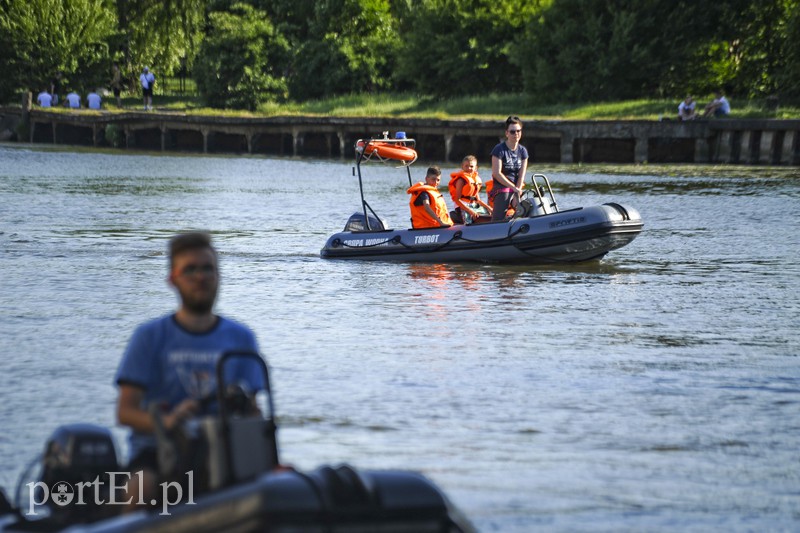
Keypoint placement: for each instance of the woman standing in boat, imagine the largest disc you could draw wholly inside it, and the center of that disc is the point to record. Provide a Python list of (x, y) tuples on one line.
[(509, 164)]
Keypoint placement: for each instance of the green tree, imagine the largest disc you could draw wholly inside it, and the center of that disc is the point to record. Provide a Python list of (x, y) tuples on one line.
[(788, 77), (39, 38), (584, 50), (756, 50), (341, 46), (242, 60), (163, 34), (454, 47)]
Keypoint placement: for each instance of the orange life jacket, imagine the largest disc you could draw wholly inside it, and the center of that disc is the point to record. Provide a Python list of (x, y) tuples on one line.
[(471, 188), (419, 216)]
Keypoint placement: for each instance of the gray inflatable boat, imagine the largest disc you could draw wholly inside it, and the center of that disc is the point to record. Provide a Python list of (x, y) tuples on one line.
[(539, 232), (219, 472)]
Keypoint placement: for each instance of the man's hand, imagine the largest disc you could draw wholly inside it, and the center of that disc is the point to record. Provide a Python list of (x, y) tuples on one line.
[(182, 412)]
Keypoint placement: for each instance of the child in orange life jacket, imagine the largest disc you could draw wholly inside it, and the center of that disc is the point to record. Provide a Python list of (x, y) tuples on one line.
[(465, 187), (428, 208)]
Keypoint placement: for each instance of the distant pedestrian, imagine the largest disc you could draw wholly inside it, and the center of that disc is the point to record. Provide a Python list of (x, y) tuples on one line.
[(93, 100), (116, 83), (147, 79), (73, 100), (44, 99)]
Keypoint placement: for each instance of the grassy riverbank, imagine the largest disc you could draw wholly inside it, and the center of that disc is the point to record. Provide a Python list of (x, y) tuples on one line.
[(489, 107)]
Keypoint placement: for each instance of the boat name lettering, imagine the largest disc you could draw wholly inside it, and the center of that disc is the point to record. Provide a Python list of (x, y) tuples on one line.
[(567, 222), (426, 239), (382, 241)]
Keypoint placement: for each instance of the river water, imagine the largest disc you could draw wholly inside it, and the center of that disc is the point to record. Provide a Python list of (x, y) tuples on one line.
[(657, 389)]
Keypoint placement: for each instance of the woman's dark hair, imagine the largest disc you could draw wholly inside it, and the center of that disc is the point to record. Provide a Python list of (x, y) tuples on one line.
[(513, 119)]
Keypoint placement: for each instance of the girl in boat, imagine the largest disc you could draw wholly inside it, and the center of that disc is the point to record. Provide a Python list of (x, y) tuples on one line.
[(465, 187)]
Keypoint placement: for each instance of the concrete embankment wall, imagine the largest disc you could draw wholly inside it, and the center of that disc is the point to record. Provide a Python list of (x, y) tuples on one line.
[(737, 141)]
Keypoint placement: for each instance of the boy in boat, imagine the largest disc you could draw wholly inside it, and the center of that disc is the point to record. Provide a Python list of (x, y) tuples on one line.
[(465, 187), (170, 362), (428, 208)]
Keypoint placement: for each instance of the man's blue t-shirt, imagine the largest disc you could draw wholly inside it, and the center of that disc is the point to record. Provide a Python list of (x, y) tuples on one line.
[(172, 364)]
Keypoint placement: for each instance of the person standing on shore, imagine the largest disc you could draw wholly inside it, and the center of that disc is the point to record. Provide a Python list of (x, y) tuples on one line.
[(509, 164), (147, 79)]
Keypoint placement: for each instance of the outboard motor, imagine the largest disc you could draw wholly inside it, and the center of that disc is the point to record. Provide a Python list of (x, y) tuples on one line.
[(357, 222), (76, 467)]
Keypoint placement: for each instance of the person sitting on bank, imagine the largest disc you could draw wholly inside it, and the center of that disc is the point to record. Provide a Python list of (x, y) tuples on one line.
[(93, 100), (686, 109), (73, 100), (44, 99), (718, 107), (428, 208), (465, 187)]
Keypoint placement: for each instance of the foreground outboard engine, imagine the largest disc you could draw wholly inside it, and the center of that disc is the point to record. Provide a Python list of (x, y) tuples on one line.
[(76, 467), (357, 222)]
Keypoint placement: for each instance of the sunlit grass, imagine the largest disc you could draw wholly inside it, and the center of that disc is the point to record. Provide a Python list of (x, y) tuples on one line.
[(495, 107)]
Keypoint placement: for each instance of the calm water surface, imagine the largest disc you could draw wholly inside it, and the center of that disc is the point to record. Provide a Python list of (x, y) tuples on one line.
[(656, 390)]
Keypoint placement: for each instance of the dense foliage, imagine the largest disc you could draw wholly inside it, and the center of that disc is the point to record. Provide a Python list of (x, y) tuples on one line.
[(344, 46), (42, 38), (163, 34), (243, 53), (241, 61), (462, 47)]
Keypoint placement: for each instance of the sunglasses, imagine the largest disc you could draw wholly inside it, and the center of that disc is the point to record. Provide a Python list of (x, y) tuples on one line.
[(515, 131)]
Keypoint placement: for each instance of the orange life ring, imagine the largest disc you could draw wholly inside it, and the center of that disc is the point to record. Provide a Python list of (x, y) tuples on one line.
[(390, 150)]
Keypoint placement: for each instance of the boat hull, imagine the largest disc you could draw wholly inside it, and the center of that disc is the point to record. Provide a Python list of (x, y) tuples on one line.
[(571, 236), (338, 499)]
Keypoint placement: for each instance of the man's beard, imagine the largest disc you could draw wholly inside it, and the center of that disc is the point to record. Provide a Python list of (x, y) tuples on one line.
[(201, 305)]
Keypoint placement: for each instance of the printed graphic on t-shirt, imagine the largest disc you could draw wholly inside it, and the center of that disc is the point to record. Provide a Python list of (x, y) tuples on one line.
[(195, 370)]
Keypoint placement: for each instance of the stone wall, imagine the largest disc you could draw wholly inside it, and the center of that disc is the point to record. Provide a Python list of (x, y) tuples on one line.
[(773, 142)]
